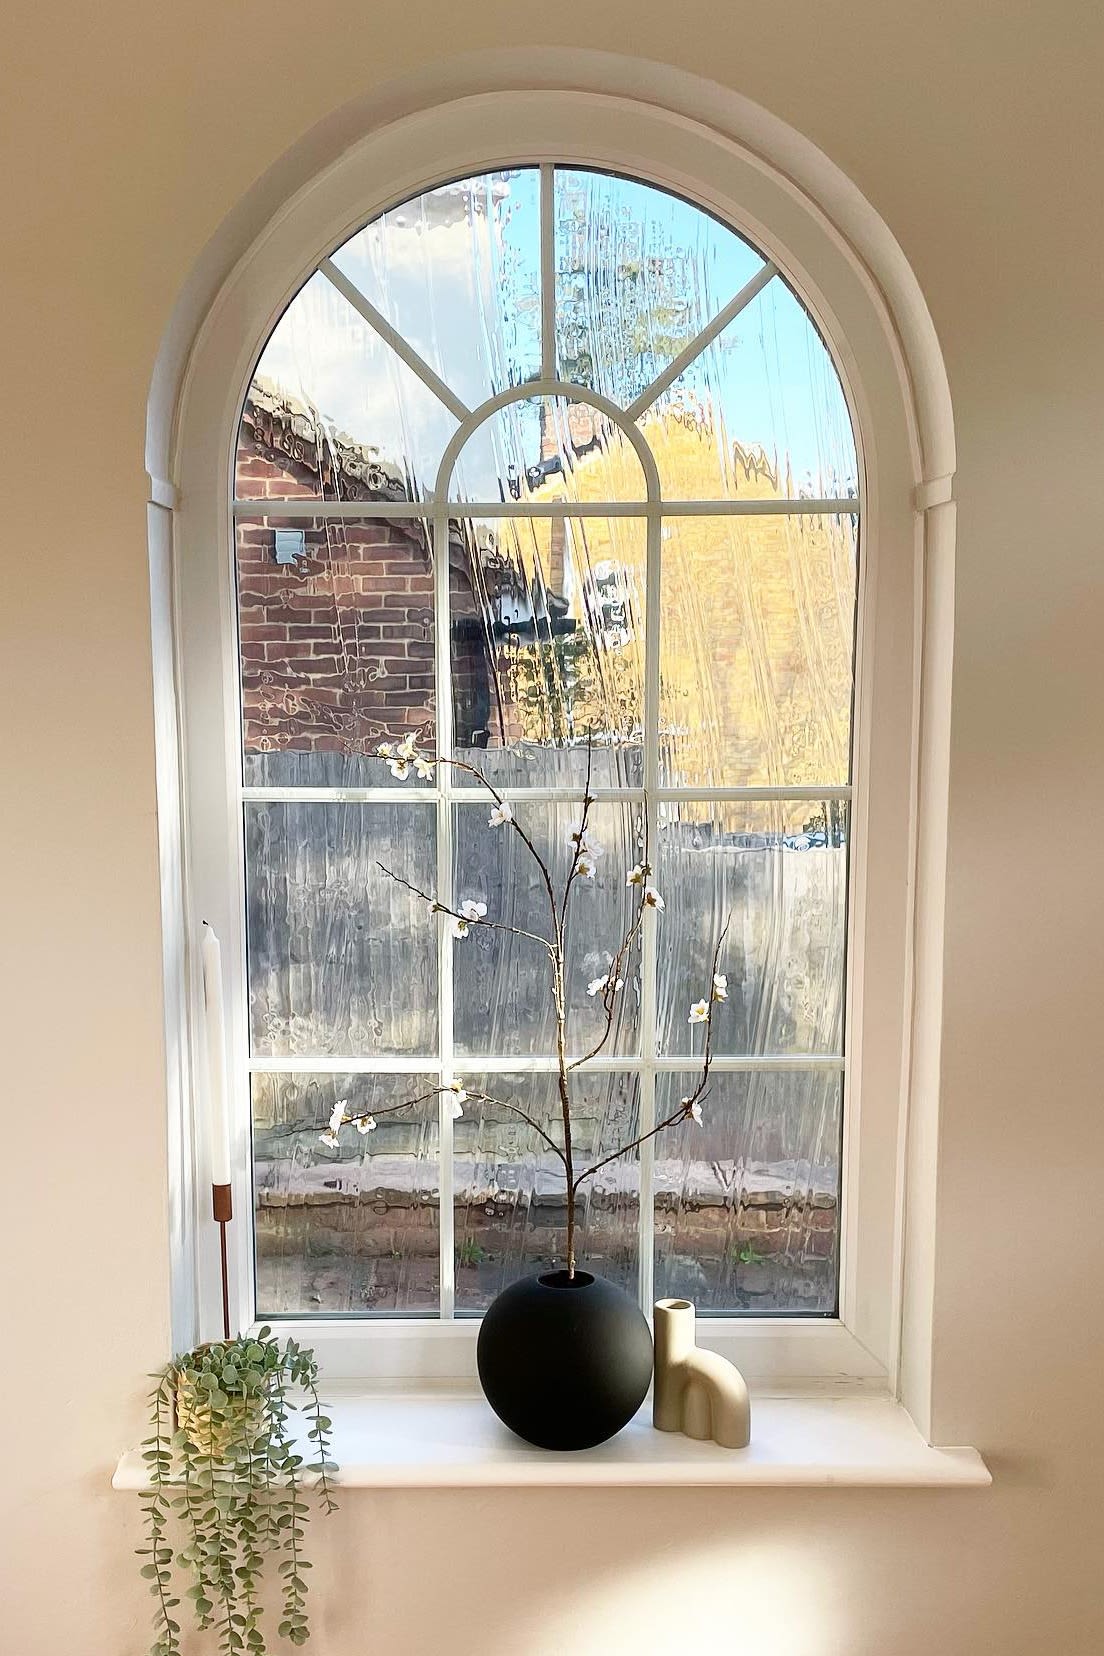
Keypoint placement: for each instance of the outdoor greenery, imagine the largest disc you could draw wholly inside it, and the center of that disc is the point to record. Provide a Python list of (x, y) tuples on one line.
[(224, 1472)]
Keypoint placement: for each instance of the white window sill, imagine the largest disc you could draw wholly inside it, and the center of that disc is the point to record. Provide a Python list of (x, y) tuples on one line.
[(449, 1439)]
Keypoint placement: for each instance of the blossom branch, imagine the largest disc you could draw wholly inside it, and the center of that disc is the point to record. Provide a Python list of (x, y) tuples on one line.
[(462, 1095), (465, 919), (688, 1105)]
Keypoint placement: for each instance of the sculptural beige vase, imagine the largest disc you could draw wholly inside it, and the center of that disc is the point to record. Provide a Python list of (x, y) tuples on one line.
[(695, 1392)]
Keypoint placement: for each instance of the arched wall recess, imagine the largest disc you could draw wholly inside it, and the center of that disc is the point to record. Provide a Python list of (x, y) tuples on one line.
[(754, 172)]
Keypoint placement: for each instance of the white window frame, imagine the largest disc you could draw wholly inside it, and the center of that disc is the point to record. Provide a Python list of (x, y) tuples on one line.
[(397, 161)]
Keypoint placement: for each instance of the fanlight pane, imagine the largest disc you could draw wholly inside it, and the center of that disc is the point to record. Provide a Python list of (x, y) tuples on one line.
[(747, 1203), (777, 873), (756, 647), (760, 414), (547, 630), (334, 413), (337, 648), (456, 272), (342, 959), (352, 1230), (548, 449), (639, 273), (511, 1212), (503, 1000)]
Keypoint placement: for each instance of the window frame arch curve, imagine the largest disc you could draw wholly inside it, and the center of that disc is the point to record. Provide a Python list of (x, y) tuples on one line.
[(663, 147)]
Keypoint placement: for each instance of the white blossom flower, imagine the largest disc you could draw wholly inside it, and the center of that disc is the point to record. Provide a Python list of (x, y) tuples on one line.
[(399, 768), (460, 924), (330, 1137), (385, 750), (720, 986), (638, 874), (408, 747), (584, 865), (501, 814), (695, 1113), (652, 899), (366, 1124), (578, 842), (423, 767), (458, 1099), (337, 1114), (699, 1012), (596, 985)]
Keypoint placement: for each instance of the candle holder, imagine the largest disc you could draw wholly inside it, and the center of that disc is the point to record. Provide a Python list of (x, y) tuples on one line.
[(222, 1211)]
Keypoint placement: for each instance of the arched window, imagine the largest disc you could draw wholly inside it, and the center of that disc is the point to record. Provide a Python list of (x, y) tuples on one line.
[(552, 471), (550, 454)]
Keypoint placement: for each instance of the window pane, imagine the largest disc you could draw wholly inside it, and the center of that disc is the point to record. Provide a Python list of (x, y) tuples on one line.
[(457, 273), (746, 1204), (341, 958), (778, 873), (547, 448), (352, 1230), (639, 273), (761, 412), (511, 1213), (548, 647), (333, 412), (756, 651), (503, 1000), (337, 648)]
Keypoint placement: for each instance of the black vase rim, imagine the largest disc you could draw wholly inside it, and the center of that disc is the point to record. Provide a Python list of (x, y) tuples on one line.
[(561, 1279)]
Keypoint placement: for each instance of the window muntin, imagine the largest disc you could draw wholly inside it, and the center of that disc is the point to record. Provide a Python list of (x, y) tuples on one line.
[(754, 454)]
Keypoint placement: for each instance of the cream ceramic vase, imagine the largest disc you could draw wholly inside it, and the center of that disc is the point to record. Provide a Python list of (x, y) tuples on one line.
[(695, 1392)]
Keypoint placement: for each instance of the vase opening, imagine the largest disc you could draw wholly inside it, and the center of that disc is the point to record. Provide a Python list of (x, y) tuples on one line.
[(561, 1279), (673, 1305)]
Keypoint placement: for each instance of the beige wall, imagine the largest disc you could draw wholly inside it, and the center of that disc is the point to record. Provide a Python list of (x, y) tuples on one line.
[(131, 129)]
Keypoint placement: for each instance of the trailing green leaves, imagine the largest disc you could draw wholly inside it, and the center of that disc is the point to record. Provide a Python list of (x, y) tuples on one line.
[(229, 1477)]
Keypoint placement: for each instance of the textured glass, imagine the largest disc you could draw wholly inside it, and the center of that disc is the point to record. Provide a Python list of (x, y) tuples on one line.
[(510, 1190), (352, 1230), (341, 958), (747, 1203), (547, 448), (756, 648), (456, 272), (547, 640), (639, 273), (337, 649), (333, 412), (760, 413), (777, 872), (547, 632), (503, 1003)]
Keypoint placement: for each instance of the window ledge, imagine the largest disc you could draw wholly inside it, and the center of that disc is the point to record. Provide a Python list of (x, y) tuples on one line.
[(449, 1439)]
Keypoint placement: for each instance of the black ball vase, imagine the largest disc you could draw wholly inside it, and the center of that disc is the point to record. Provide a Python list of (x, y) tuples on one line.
[(564, 1361)]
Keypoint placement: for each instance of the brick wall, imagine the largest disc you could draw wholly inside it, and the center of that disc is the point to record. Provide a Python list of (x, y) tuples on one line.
[(338, 648)]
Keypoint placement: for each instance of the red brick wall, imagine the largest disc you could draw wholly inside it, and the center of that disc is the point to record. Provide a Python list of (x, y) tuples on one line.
[(338, 648)]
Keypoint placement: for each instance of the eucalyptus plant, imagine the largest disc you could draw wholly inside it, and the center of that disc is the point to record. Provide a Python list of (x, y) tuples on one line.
[(227, 1480)]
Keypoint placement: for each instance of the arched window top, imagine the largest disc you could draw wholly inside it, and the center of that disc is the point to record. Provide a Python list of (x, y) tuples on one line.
[(534, 276)]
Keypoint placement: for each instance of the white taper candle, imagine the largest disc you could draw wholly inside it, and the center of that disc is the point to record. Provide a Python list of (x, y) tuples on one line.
[(218, 1122)]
